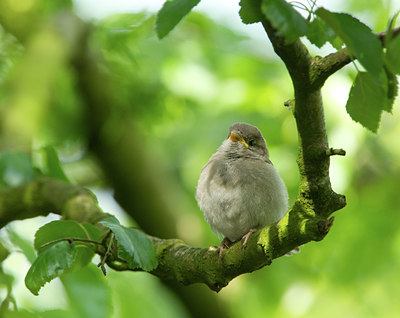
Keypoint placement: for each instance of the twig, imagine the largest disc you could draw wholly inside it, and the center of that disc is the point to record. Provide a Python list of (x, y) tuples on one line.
[(328, 65), (335, 152), (107, 253), (70, 240)]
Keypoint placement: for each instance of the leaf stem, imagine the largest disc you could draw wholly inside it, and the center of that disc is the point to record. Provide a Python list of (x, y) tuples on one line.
[(300, 5), (107, 253), (70, 240)]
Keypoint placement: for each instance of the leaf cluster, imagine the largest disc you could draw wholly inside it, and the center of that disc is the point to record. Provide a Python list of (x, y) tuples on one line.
[(373, 90), (66, 246)]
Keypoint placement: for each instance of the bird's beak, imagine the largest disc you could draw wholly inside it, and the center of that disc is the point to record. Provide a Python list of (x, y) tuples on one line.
[(236, 137)]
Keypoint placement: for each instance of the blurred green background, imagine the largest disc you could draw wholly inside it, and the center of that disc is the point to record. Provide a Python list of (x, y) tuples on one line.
[(181, 94)]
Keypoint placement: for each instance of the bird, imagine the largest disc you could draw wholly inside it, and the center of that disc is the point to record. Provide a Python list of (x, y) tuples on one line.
[(239, 190)]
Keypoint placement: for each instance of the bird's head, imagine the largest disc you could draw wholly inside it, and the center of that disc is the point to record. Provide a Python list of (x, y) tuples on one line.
[(246, 140)]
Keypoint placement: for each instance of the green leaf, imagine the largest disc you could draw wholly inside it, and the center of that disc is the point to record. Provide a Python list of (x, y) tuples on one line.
[(93, 233), (319, 32), (367, 100), (250, 11), (133, 246), (53, 164), (88, 292), (389, 30), (171, 14), (359, 40), (285, 19), (67, 229), (336, 42), (392, 63), (15, 168), (392, 55), (62, 229), (52, 262), (392, 90)]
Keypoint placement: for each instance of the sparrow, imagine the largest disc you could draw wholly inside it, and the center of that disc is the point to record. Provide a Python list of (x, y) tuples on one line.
[(239, 190)]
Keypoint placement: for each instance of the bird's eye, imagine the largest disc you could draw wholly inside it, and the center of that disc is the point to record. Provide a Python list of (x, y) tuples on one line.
[(252, 143)]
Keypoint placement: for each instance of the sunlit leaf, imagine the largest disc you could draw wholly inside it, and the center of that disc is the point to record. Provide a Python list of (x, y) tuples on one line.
[(319, 33), (133, 246), (52, 262), (88, 292), (358, 38), (250, 11), (366, 101), (392, 55), (67, 229), (93, 233), (171, 14), (53, 164), (62, 229), (285, 19)]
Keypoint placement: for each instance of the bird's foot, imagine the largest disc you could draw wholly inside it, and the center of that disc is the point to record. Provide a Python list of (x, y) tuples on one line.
[(226, 243), (246, 237)]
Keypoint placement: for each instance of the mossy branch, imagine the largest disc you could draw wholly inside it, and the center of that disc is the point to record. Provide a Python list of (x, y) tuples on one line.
[(177, 261), (308, 220), (315, 193)]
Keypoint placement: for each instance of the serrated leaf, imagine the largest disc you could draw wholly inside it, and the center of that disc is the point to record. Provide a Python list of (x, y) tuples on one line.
[(358, 38), (83, 256), (143, 250), (366, 101), (67, 229), (392, 55), (171, 14), (285, 19), (319, 33), (250, 11), (133, 246), (88, 281), (53, 262), (53, 164), (93, 233), (59, 229)]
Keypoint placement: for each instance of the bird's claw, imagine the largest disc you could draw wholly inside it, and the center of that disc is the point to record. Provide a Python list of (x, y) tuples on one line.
[(246, 237), (226, 243)]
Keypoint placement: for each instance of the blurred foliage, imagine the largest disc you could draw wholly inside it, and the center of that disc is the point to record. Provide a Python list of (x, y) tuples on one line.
[(183, 93)]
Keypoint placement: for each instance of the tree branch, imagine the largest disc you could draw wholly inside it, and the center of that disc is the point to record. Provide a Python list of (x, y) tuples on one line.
[(308, 220), (43, 196), (324, 67), (177, 261), (316, 197)]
